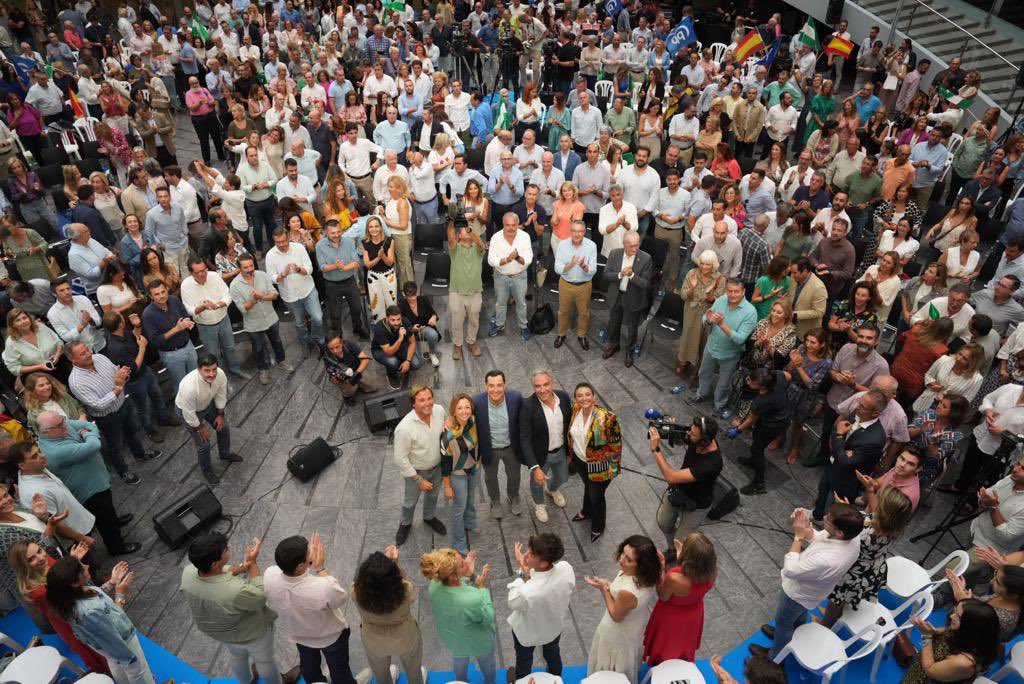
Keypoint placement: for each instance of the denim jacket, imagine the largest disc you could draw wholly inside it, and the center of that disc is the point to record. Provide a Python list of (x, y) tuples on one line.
[(103, 626)]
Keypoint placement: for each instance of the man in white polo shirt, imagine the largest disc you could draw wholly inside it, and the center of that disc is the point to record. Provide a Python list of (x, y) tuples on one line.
[(418, 457), (288, 264), (206, 298)]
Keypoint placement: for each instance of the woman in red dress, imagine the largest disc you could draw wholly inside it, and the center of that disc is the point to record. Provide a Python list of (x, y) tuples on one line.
[(30, 563), (675, 628)]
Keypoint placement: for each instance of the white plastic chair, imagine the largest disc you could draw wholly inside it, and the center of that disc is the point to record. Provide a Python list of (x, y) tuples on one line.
[(699, 46), (983, 680), (540, 678), (872, 613), (95, 678), (820, 650), (86, 128), (39, 665), (604, 89), (955, 141), (904, 577), (718, 52), (671, 671), (1014, 664), (605, 677)]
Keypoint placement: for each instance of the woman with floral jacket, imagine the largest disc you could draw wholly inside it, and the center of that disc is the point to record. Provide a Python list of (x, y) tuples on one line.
[(595, 450)]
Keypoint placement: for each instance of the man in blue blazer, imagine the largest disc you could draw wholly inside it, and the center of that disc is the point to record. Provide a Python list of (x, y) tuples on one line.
[(566, 159), (497, 427), (986, 195), (544, 450)]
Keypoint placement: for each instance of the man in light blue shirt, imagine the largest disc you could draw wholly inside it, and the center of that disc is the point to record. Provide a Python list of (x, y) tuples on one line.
[(576, 263), (732, 319), (339, 263), (930, 158), (755, 196), (305, 160), (167, 223), (410, 105), (338, 89), (694, 72), (585, 124), (87, 258), (505, 187), (392, 134), (481, 122), (866, 102)]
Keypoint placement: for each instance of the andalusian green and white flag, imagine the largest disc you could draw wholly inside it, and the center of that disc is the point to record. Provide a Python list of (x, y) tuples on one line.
[(809, 35), (954, 99), (397, 5), (199, 31), (503, 121)]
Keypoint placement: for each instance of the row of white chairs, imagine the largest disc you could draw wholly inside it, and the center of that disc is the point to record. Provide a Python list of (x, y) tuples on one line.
[(42, 665)]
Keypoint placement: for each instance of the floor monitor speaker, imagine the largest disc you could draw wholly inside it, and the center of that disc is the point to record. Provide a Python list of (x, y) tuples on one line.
[(177, 522), (308, 461), (386, 410)]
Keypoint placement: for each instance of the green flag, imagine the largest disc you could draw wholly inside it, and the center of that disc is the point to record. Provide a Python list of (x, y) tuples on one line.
[(954, 99), (199, 31), (504, 119), (809, 35), (933, 313), (396, 5)]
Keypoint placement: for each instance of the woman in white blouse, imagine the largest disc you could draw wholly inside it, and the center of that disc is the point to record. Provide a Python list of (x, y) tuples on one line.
[(528, 111), (899, 241), (117, 291), (962, 260), (885, 274), (441, 156), (953, 374)]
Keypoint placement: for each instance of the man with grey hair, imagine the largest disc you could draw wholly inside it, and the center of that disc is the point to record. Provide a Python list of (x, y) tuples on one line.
[(892, 416), (615, 220), (87, 258), (576, 265), (727, 248), (627, 294), (510, 254), (543, 434), (548, 180), (585, 123), (384, 173)]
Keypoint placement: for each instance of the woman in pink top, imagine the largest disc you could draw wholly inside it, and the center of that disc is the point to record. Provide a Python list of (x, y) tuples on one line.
[(203, 109), (566, 209), (27, 123)]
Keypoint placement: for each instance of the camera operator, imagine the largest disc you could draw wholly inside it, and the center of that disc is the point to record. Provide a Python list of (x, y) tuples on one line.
[(532, 32), (691, 489), (566, 61), (509, 49), (345, 363), (467, 45)]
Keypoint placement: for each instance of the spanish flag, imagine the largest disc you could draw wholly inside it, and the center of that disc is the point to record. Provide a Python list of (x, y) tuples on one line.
[(840, 47), (76, 104), (750, 44)]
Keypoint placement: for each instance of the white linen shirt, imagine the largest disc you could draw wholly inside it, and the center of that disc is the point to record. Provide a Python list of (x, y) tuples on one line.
[(294, 286), (214, 289), (195, 394), (610, 215), (58, 499), (539, 605), (185, 196), (355, 159), (499, 249), (1007, 537), (418, 445), (640, 189), (809, 576), (1002, 400), (65, 321)]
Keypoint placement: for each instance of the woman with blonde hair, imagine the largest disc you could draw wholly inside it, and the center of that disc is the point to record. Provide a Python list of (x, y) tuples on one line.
[(396, 215), (566, 209), (441, 156), (710, 135), (958, 373), (440, 91), (885, 274), (72, 181), (889, 512), (922, 345), (677, 623), (32, 346), (28, 250), (105, 200), (701, 287), (962, 260), (460, 468), (379, 260), (946, 233), (463, 612), (44, 392)]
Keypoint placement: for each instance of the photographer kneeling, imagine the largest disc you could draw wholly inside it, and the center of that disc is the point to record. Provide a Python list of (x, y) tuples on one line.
[(692, 487)]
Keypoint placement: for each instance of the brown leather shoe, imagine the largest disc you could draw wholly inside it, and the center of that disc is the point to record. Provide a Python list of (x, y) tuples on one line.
[(609, 352), (584, 344)]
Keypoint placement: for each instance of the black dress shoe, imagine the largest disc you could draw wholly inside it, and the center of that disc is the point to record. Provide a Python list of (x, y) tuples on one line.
[(629, 360), (768, 631), (594, 536), (584, 344), (402, 534), (123, 520), (559, 341), (150, 455), (753, 489), (211, 477), (128, 548), (757, 650), (155, 436), (231, 456), (436, 525), (610, 352)]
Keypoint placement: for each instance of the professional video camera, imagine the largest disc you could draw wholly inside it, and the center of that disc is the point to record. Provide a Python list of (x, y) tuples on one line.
[(457, 214), (458, 39), (669, 429)]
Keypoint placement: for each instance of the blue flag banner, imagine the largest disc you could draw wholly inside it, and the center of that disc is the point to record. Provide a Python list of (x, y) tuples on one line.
[(682, 34), (771, 54), (613, 7)]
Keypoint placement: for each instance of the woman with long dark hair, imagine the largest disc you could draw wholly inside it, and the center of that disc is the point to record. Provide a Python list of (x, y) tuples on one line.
[(97, 620), (460, 468), (959, 652), (595, 447), (849, 315), (384, 595), (808, 366), (936, 432)]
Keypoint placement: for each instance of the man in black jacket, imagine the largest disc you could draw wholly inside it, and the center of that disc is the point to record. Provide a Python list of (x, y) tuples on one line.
[(497, 427), (543, 427), (628, 274), (416, 132)]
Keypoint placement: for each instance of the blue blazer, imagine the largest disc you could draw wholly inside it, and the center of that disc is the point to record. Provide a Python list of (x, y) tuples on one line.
[(570, 165), (513, 401)]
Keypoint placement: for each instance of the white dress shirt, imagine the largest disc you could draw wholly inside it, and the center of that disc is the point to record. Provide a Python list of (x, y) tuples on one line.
[(610, 215), (58, 499), (680, 125), (1005, 538), (809, 576), (552, 181), (66, 319), (1002, 400), (457, 109), (421, 182), (499, 249), (308, 607), (214, 289), (302, 186), (417, 445), (793, 179), (627, 262), (184, 195), (539, 605), (383, 174), (355, 159), (779, 122), (195, 394), (375, 85), (640, 189), (294, 286)]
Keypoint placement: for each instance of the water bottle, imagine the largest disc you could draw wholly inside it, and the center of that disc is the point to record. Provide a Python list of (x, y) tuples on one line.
[(678, 389), (652, 414), (602, 336)]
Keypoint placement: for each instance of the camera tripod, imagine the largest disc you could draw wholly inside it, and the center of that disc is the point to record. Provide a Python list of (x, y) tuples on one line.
[(463, 70), (508, 70), (993, 471)]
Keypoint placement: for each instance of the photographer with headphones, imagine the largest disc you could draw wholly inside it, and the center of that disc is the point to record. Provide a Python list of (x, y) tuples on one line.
[(691, 489), (769, 416)]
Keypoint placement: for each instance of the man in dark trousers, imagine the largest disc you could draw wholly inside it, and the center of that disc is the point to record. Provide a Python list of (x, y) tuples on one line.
[(628, 273), (497, 427), (857, 443), (543, 429)]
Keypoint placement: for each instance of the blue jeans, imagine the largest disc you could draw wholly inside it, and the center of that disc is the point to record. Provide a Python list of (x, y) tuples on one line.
[(179, 363), (557, 470), (463, 509), (336, 656), (431, 337), (788, 616), (116, 428), (147, 398), (709, 365), (219, 340), (256, 340), (426, 212), (485, 661), (413, 491), (208, 415), (391, 363), (858, 220), (308, 306), (503, 285)]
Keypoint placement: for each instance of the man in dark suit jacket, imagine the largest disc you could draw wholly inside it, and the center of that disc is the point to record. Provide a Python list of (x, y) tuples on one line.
[(986, 196), (85, 212), (566, 159), (498, 439), (627, 274), (416, 132), (543, 452), (857, 442)]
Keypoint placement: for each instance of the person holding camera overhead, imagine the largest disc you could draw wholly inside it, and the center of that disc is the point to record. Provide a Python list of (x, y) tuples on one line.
[(690, 488)]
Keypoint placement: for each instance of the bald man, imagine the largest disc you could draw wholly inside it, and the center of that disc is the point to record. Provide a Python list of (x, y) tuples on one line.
[(628, 274)]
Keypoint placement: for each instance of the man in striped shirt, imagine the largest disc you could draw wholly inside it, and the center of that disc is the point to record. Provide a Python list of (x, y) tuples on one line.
[(99, 385)]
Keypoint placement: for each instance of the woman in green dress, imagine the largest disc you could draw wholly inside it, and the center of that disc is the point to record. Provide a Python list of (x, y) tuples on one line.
[(557, 120), (28, 249), (769, 287), (822, 107)]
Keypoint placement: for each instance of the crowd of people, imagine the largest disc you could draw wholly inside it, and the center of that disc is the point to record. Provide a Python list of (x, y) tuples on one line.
[(836, 255)]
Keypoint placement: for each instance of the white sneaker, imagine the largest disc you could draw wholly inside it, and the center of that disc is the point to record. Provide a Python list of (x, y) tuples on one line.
[(541, 511), (365, 676), (394, 672), (434, 361), (557, 499)]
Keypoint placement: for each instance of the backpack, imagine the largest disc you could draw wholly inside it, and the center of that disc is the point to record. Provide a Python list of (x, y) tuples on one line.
[(542, 321)]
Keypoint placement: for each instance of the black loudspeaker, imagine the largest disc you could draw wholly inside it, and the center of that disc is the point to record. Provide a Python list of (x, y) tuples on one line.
[(386, 410), (834, 12), (178, 521), (308, 461), (727, 499)]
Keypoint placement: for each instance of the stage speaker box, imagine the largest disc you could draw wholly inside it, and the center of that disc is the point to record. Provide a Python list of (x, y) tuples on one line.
[(727, 499), (834, 12), (177, 522), (386, 410), (308, 461)]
